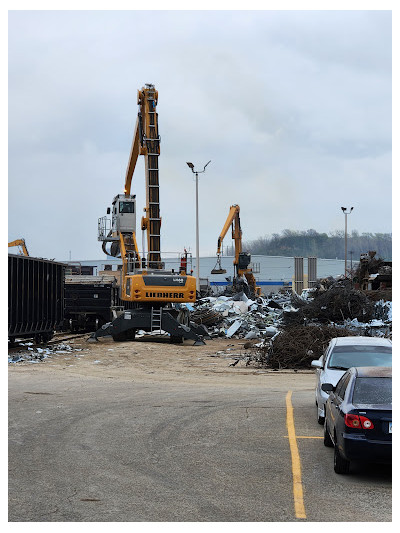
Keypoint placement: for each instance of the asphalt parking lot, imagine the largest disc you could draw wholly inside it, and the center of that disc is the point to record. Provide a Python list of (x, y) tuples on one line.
[(206, 443)]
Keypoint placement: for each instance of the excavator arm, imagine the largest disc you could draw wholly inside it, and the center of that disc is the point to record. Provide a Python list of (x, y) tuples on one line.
[(233, 220), (146, 142), (133, 157), (21, 243)]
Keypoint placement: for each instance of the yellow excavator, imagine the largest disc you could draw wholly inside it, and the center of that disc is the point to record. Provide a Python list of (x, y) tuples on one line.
[(152, 293), (22, 245), (243, 279)]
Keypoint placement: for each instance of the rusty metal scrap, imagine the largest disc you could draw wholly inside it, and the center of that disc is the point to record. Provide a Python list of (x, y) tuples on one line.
[(336, 304), (296, 346), (209, 317)]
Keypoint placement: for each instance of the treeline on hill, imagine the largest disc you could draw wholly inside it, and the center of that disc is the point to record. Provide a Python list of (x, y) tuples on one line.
[(310, 243)]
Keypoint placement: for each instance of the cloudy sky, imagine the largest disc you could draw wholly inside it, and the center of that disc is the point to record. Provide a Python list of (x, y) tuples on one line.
[(293, 108)]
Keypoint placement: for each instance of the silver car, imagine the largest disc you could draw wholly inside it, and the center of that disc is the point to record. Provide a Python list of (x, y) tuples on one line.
[(343, 353)]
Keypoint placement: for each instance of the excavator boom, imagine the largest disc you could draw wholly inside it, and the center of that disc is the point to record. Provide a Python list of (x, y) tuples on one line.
[(22, 244), (133, 157), (146, 142), (233, 220)]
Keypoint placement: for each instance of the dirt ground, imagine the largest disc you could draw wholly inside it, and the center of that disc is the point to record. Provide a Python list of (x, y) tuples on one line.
[(151, 360)]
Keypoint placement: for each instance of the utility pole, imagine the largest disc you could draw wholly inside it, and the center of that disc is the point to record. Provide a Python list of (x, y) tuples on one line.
[(351, 266), (344, 209), (197, 172)]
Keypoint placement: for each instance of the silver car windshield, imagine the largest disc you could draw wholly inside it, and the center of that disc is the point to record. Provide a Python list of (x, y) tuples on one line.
[(344, 357)]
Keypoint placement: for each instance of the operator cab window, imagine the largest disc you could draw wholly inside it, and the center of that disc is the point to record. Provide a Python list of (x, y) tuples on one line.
[(126, 207)]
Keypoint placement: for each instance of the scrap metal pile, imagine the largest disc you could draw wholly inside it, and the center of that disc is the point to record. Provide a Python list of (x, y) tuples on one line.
[(288, 331), (333, 305), (239, 316), (295, 346)]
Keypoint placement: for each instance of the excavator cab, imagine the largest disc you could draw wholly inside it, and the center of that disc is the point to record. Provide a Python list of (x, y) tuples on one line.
[(124, 213), (244, 260)]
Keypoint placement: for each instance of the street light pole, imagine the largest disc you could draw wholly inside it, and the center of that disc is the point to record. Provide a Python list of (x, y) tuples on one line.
[(344, 209), (197, 172), (197, 235)]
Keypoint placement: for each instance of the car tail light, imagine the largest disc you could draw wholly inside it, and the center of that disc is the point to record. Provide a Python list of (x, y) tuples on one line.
[(352, 421), (356, 421), (366, 422)]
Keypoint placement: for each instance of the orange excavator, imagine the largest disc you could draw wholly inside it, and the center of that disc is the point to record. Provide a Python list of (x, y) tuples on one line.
[(154, 295), (243, 279)]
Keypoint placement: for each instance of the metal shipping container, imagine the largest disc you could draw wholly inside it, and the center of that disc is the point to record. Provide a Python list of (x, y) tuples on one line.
[(35, 297)]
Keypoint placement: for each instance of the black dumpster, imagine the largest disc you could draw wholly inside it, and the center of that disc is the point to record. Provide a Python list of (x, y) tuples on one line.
[(91, 301), (35, 297), (87, 306)]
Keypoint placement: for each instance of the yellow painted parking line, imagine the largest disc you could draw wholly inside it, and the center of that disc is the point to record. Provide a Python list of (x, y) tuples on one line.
[(299, 437), (296, 466)]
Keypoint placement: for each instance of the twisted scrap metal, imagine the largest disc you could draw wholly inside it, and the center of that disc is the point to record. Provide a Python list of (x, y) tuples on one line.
[(296, 346)]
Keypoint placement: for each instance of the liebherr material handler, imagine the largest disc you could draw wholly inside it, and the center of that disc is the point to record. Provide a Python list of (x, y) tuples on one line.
[(242, 259), (149, 290)]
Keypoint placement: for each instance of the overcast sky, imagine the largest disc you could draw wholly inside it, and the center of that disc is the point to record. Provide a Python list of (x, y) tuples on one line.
[(292, 107)]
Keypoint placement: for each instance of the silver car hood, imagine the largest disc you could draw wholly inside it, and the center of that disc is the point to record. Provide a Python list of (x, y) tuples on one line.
[(331, 375)]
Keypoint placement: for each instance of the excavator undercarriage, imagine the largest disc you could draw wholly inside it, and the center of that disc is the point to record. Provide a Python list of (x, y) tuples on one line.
[(151, 319)]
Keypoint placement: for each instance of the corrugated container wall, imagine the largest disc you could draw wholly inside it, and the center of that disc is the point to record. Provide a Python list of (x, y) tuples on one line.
[(35, 297)]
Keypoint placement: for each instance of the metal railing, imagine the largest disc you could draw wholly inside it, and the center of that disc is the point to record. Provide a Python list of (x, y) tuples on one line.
[(170, 262), (255, 267), (103, 228)]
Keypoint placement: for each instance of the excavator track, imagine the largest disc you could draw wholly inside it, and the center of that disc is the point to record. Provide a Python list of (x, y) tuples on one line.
[(124, 327)]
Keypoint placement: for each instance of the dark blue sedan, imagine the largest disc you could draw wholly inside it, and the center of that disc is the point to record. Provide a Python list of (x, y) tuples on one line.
[(358, 421)]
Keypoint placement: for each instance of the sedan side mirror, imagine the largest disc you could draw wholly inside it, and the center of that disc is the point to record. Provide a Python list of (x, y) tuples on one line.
[(327, 387), (316, 363)]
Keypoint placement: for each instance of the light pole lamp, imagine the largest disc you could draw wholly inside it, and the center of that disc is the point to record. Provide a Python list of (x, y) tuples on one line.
[(197, 172), (346, 212)]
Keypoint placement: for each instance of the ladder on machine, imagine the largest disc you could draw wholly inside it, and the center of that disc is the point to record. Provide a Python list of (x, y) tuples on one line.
[(156, 317)]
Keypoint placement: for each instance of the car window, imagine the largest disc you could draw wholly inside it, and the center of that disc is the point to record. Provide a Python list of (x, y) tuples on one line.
[(342, 385), (325, 355), (344, 357), (372, 391), (339, 387)]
